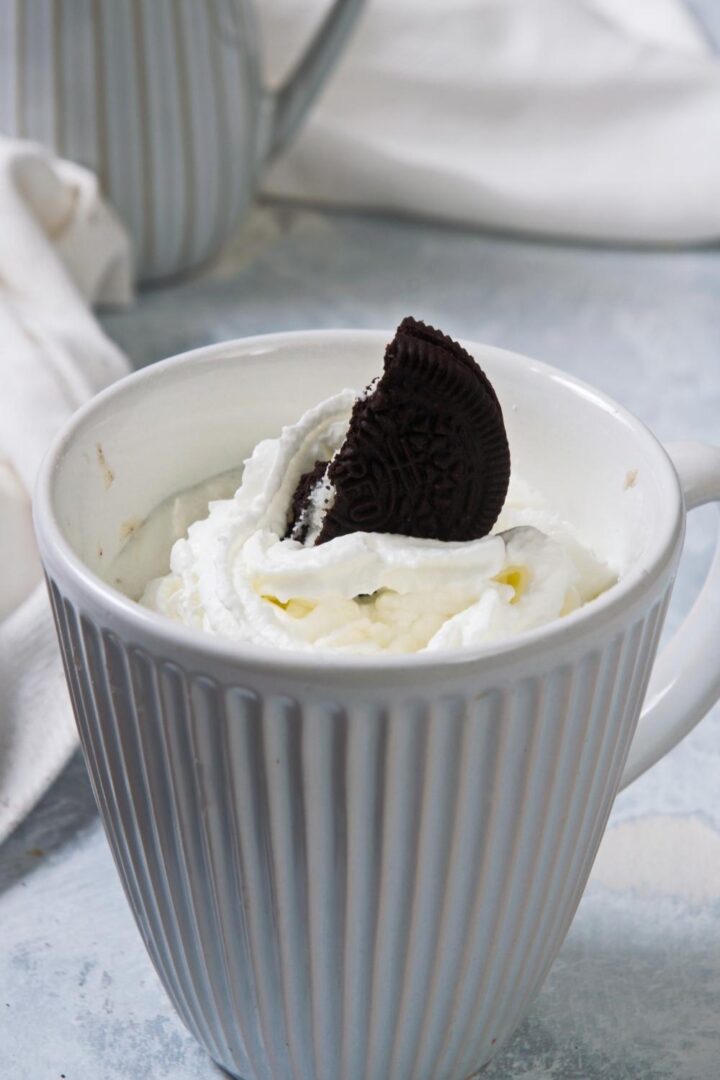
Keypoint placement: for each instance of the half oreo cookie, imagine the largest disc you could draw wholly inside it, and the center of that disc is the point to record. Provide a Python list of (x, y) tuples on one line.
[(425, 454)]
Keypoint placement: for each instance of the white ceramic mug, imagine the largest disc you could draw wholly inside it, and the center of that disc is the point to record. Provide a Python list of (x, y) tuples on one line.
[(350, 867), (163, 99)]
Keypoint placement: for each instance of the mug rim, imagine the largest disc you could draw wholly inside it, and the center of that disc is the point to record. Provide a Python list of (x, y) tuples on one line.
[(635, 583)]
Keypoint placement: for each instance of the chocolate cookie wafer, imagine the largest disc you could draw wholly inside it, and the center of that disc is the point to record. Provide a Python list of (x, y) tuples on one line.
[(426, 453)]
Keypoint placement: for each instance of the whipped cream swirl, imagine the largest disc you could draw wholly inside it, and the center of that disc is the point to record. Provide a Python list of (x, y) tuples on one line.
[(235, 576)]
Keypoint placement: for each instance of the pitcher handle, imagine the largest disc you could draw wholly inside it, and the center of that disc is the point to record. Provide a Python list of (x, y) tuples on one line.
[(685, 682), (288, 104)]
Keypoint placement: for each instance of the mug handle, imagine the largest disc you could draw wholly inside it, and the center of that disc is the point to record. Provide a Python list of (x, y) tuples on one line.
[(288, 104), (685, 682)]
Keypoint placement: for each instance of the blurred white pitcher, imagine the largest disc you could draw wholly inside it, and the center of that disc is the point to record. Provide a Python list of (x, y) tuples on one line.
[(164, 100)]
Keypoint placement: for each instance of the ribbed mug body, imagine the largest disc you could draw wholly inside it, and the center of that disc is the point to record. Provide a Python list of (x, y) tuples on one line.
[(161, 100), (346, 877)]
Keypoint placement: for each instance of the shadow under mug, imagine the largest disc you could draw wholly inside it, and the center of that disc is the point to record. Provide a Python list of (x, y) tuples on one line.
[(164, 100), (350, 867)]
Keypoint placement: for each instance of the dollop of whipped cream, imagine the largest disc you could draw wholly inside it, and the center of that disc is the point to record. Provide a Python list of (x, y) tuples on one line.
[(234, 574)]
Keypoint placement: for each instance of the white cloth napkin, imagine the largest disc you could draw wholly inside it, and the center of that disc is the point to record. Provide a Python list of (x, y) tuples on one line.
[(60, 250), (577, 118)]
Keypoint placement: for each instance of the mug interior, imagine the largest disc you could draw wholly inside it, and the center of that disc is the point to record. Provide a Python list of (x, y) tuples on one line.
[(180, 422)]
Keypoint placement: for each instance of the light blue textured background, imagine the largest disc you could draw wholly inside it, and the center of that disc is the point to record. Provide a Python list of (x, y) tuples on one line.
[(635, 991)]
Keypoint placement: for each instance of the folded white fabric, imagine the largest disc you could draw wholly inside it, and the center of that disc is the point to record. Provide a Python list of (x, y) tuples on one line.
[(576, 118), (60, 250)]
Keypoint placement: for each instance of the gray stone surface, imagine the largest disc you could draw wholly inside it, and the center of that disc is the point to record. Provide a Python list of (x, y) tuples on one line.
[(635, 991)]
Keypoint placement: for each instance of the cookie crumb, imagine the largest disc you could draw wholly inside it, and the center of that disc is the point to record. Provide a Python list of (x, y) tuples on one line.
[(129, 527), (108, 474)]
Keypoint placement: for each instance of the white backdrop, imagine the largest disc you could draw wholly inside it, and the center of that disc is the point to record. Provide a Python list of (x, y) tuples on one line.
[(581, 118)]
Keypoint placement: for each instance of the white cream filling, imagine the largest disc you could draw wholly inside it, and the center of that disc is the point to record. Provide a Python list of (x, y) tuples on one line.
[(366, 592)]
